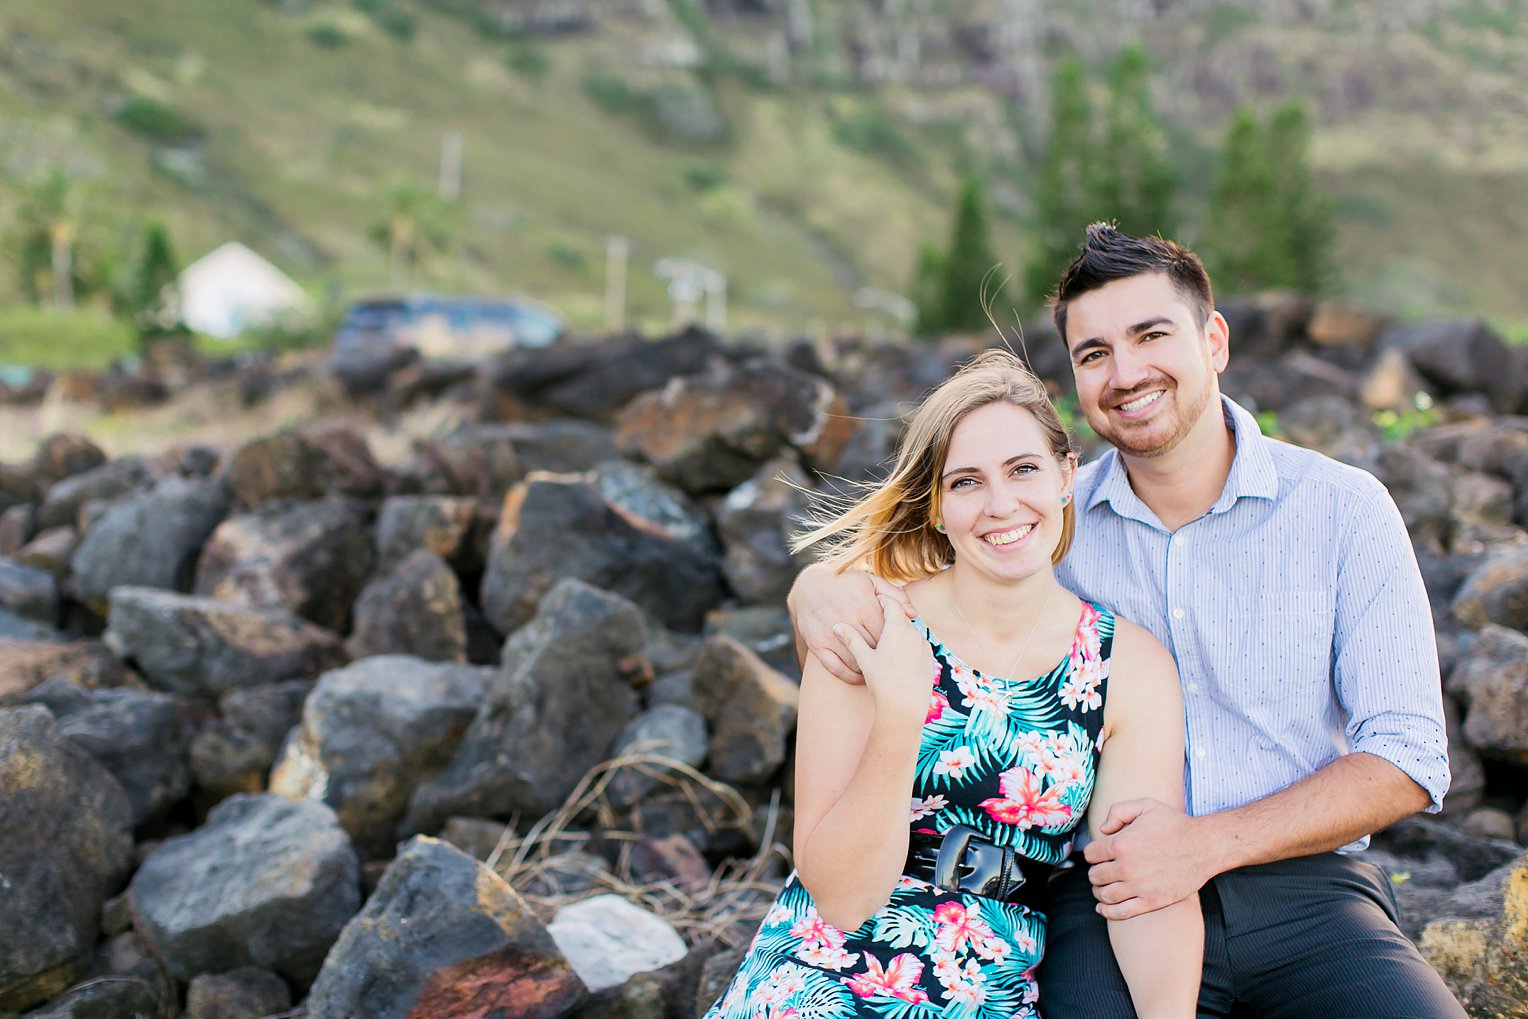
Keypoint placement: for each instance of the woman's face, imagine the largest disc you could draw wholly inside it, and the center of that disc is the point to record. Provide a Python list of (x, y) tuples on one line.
[(1000, 492)]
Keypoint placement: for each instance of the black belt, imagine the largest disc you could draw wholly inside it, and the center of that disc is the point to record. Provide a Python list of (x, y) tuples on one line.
[(960, 861)]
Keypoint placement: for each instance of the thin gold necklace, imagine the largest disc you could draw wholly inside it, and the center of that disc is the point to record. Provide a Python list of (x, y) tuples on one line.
[(1044, 604)]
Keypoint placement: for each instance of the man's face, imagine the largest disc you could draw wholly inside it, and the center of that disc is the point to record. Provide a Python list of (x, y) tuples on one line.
[(1146, 366)]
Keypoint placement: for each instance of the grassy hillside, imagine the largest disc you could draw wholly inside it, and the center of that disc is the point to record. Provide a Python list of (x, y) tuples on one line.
[(291, 125)]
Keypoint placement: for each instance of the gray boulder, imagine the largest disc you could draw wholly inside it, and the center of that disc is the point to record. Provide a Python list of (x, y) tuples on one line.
[(1460, 356), (65, 846), (618, 530), (140, 736), (125, 982), (245, 993), (1334, 426), (234, 752), (560, 696), (665, 730), (265, 882), (443, 937), (441, 524), (750, 707), (1493, 679), (202, 648), (593, 381), (755, 522), (109, 482), (29, 592), (1496, 591), (309, 558), (414, 607), (150, 539), (370, 733)]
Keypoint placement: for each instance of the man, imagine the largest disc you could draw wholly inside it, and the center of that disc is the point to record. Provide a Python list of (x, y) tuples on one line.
[(1286, 587)]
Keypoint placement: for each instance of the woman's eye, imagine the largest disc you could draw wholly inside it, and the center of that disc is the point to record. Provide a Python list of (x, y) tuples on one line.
[(962, 483)]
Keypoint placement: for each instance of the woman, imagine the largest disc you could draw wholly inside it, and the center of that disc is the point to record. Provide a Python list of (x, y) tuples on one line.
[(933, 800)]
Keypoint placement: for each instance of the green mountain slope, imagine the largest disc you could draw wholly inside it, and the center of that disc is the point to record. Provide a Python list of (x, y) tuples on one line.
[(803, 148)]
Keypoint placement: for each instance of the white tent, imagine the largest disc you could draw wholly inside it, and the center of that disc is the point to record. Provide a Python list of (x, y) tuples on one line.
[(232, 289)]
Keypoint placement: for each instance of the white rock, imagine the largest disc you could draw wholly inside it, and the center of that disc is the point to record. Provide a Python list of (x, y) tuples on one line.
[(607, 940)]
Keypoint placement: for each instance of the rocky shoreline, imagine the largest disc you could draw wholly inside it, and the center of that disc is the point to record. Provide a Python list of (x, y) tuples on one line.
[(268, 712)]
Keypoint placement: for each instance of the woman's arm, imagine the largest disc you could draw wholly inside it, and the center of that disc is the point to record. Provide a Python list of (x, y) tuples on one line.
[(1159, 953), (856, 750)]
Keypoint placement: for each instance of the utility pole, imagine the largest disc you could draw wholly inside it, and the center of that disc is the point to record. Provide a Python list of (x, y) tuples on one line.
[(616, 251), (450, 186)]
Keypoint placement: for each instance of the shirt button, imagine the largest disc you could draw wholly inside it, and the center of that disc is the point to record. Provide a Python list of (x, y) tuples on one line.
[(1193, 688), (1177, 613), (1199, 752)]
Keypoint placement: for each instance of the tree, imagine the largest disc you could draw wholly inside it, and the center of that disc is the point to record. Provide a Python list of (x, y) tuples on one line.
[(145, 293), (1306, 213), (1066, 196), (1268, 224), (1239, 223), (967, 266), (1135, 179)]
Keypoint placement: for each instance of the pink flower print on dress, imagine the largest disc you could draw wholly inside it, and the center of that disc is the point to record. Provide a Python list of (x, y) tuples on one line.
[(922, 808), (953, 763), (937, 703), (1023, 805), (959, 928), (989, 698), (833, 957), (899, 979), (814, 930), (970, 989)]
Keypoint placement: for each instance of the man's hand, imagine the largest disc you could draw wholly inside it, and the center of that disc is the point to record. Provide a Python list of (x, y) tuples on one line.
[(1149, 856), (822, 598)]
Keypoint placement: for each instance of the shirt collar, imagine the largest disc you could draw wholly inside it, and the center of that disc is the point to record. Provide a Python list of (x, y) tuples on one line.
[(1253, 474)]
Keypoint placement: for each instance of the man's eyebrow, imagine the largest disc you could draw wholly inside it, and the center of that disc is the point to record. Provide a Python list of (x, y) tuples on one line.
[(1094, 342), (975, 470), (1150, 323)]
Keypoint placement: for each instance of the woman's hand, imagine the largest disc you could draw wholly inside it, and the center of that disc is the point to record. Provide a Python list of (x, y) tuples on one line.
[(899, 669), (821, 598)]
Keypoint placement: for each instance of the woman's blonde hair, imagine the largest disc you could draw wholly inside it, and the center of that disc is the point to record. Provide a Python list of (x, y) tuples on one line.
[(891, 527)]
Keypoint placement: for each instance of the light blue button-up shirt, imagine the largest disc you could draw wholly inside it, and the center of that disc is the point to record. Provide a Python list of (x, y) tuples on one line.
[(1294, 609)]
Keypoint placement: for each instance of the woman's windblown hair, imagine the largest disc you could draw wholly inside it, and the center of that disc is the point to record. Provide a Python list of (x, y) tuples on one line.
[(889, 528)]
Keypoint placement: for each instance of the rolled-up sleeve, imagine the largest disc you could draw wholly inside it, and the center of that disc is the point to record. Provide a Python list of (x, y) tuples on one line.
[(1386, 655)]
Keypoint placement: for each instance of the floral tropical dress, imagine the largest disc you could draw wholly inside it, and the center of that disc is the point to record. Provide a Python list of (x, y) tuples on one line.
[(1016, 761)]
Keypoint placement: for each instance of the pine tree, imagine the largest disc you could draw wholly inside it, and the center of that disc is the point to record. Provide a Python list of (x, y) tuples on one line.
[(968, 265), (145, 293), (1135, 181), (1268, 224), (1306, 224), (1066, 196), (1241, 245)]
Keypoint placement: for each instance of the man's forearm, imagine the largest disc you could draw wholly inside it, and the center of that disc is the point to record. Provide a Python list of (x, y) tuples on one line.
[(1354, 796)]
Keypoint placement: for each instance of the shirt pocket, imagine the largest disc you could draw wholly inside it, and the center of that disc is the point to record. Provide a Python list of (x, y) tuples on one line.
[(1283, 638)]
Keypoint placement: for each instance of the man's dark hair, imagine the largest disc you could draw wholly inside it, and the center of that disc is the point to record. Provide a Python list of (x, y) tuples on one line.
[(1109, 255)]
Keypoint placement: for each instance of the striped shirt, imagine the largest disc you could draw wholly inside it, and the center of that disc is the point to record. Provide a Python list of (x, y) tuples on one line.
[(1294, 609)]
